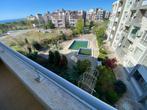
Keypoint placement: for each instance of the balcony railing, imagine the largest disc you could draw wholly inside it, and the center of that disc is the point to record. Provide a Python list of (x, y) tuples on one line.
[(77, 93)]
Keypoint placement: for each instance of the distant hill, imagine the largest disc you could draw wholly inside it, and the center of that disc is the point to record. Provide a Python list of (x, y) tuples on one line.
[(11, 20)]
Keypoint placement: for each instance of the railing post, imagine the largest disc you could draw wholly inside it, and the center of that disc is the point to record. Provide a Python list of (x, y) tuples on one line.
[(39, 78)]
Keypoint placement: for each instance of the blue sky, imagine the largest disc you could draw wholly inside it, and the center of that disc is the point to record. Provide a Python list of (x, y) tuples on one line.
[(11, 9)]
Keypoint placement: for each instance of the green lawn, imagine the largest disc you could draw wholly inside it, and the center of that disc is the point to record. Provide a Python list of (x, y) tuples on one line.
[(76, 45)]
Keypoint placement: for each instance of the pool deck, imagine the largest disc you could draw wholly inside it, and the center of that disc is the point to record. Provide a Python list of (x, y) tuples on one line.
[(89, 37), (13, 95)]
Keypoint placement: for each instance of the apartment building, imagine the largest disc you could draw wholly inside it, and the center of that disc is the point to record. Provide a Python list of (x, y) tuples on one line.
[(100, 14), (47, 17), (58, 18), (31, 18), (91, 15), (74, 16), (40, 19), (97, 14), (61, 18), (107, 14), (127, 33)]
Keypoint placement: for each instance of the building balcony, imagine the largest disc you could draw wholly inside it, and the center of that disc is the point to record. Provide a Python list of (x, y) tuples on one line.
[(13, 95), (119, 9), (136, 21), (114, 28), (136, 5), (116, 19), (51, 90), (143, 42)]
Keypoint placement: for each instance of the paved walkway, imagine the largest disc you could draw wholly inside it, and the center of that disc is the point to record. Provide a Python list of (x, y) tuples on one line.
[(127, 102), (13, 95)]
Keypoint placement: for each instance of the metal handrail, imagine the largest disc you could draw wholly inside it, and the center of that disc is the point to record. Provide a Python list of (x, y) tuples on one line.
[(76, 92)]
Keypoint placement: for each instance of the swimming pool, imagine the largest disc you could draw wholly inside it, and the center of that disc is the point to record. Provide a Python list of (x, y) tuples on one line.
[(85, 51), (77, 44)]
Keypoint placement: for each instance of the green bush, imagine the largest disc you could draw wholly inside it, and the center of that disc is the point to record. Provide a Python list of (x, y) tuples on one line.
[(49, 25), (82, 66), (120, 87), (32, 55), (79, 26), (36, 45), (107, 87), (63, 61), (57, 58), (103, 51), (111, 97), (51, 57)]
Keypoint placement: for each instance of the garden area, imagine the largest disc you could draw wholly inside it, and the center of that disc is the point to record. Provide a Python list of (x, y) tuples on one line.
[(107, 88)]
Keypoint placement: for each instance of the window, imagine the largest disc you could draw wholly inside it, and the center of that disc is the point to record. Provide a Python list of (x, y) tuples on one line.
[(137, 53), (135, 30)]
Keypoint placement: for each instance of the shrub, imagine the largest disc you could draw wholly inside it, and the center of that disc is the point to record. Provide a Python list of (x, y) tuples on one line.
[(120, 87), (51, 57), (32, 55), (49, 25), (82, 66), (57, 58), (111, 63), (63, 61), (111, 97), (79, 26), (36, 45), (103, 51), (100, 32)]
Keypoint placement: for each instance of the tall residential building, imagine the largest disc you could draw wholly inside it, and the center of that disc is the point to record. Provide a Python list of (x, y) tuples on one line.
[(58, 18), (107, 14), (100, 14), (127, 33), (97, 14), (47, 17), (74, 16), (40, 19), (31, 18)]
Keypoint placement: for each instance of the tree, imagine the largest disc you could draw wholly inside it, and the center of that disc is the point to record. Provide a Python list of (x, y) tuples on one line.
[(36, 45), (91, 24), (49, 25), (120, 87), (111, 63), (63, 61), (79, 26), (57, 58), (100, 33), (82, 66), (51, 57), (26, 41)]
